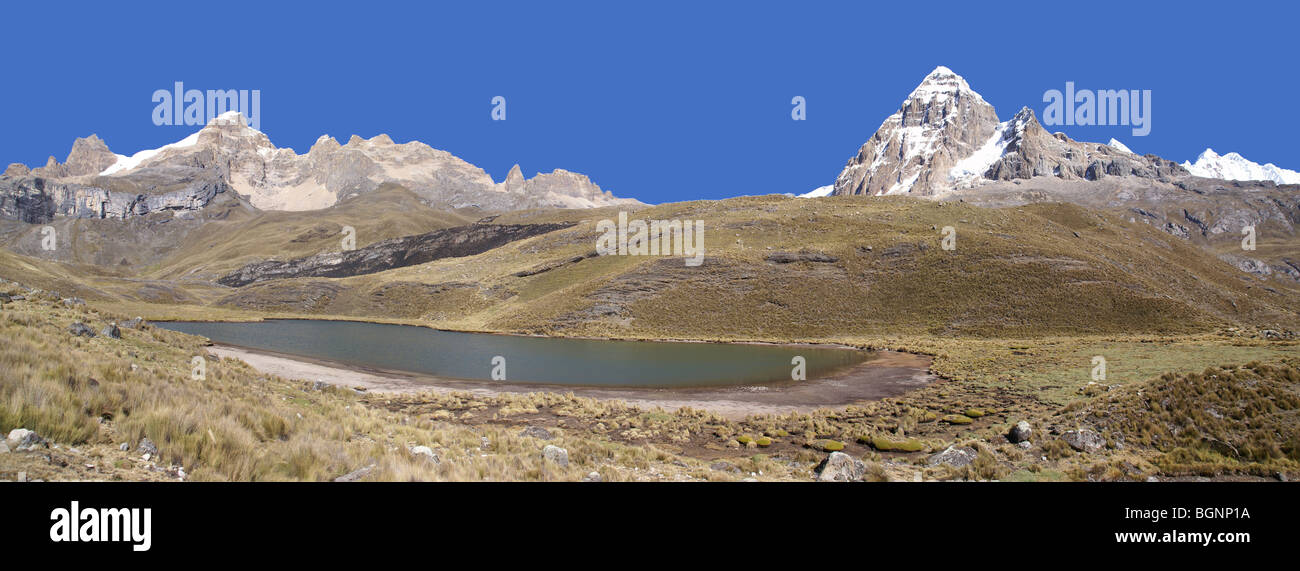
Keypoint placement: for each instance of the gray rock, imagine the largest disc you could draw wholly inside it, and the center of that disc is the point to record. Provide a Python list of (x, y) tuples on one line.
[(4, 447), (840, 467), (355, 475), (723, 467), (1020, 432), (22, 476), (147, 447), (318, 385), (1084, 440), (394, 253), (592, 477), (23, 440), (426, 453), (81, 329), (124, 447), (112, 331), (484, 443), (536, 432), (556, 454), (953, 456), (133, 323)]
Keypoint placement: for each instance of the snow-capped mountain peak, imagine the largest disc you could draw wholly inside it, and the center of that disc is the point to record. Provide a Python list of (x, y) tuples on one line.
[(1233, 166), (941, 122)]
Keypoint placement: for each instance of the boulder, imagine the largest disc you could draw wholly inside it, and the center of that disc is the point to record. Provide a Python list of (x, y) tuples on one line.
[(556, 454), (426, 453), (23, 440), (536, 432), (1020, 432), (592, 477), (147, 447), (953, 456), (112, 331), (355, 475), (81, 329), (1084, 440), (133, 323), (840, 467)]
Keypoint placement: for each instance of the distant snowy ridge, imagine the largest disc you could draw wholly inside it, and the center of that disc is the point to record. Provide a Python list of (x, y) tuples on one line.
[(1233, 166), (819, 192)]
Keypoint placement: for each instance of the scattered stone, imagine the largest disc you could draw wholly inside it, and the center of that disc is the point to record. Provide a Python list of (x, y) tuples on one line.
[(484, 443), (133, 323), (723, 467), (840, 467), (111, 330), (81, 329), (22, 476), (23, 440), (1152, 479), (592, 477), (536, 432), (1020, 432), (1084, 440), (318, 385), (1281, 477), (427, 453), (556, 454), (1024, 444), (953, 456), (73, 302), (124, 447), (355, 475), (147, 446)]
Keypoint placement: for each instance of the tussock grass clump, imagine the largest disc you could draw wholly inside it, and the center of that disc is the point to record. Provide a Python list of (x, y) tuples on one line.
[(1242, 419)]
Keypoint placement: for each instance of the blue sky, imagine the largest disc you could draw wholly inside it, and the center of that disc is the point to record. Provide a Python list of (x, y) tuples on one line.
[(660, 101)]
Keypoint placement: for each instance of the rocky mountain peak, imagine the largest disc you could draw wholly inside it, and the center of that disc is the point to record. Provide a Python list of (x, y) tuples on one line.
[(942, 121), (947, 138)]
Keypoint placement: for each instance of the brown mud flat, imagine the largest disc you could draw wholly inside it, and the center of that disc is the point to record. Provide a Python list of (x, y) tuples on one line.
[(889, 373)]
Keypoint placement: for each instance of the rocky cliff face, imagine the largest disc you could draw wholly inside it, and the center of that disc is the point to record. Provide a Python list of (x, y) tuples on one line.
[(227, 154), (38, 200), (389, 254)]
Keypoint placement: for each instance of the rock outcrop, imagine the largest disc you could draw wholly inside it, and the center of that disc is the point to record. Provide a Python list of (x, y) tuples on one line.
[(395, 253)]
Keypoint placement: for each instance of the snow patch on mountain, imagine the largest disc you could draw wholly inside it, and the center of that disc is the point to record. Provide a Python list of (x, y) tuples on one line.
[(971, 168), (1232, 166), (819, 192), (125, 163), (1115, 144)]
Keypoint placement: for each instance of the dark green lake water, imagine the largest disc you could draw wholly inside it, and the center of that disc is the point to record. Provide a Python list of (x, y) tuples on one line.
[(580, 362)]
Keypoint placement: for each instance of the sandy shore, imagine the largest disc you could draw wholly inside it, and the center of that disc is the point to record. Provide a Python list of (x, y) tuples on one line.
[(889, 374)]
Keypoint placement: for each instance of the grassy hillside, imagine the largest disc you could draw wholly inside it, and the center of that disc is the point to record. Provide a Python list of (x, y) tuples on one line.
[(1045, 269)]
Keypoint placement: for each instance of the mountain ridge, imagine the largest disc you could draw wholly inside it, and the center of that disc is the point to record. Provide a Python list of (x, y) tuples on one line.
[(228, 154)]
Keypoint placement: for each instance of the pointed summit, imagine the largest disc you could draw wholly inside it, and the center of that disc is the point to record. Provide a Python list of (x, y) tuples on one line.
[(941, 122), (942, 82)]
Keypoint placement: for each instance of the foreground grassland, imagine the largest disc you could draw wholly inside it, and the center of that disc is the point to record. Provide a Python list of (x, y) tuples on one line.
[(1172, 408)]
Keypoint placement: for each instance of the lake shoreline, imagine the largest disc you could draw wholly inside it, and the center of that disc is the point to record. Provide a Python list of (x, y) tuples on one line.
[(890, 373)]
